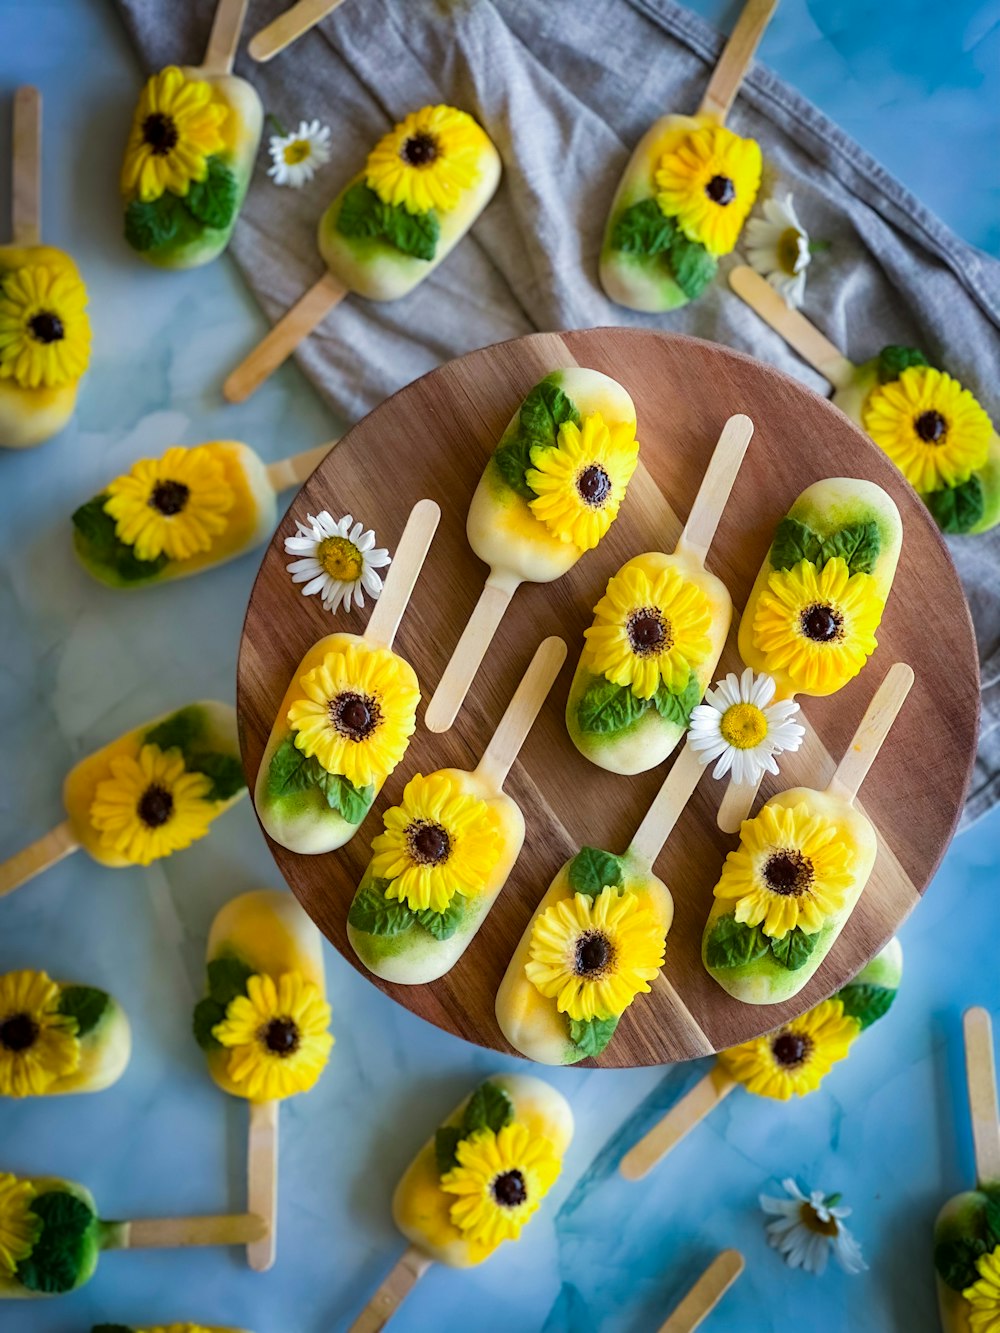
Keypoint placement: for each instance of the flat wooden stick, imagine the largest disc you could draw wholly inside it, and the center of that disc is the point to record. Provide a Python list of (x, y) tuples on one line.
[(36, 857), (289, 472), (395, 1288), (225, 37), (407, 562), (980, 1071), (170, 1233), (677, 789), (737, 802), (289, 27), (262, 1182), (682, 1117), (735, 60), (802, 336), (706, 1293), (26, 168), (870, 735), (521, 712), (468, 655), (716, 485), (306, 314)]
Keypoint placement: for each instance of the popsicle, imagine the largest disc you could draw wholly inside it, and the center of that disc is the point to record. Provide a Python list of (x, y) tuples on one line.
[(706, 1293), (687, 190), (932, 428), (657, 635), (144, 796), (791, 1061), (813, 611), (58, 1037), (44, 329), (421, 189), (967, 1229), (346, 718), (802, 864), (263, 1026), (446, 851), (53, 1237), (288, 27), (475, 1184), (170, 517), (551, 489), (191, 152)]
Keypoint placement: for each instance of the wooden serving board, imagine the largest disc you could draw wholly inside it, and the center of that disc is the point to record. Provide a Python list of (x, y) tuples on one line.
[(433, 439)]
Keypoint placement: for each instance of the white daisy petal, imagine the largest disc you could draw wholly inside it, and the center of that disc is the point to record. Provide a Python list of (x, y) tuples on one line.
[(750, 760), (777, 246), (800, 1234), (320, 565)]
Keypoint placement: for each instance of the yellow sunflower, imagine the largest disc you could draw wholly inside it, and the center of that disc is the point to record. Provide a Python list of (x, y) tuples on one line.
[(593, 956), (500, 1180), (176, 128), (19, 1226), (438, 841), (427, 160), (792, 868), (44, 329), (932, 429), (818, 626), (649, 630), (151, 806), (358, 713), (579, 485), (277, 1035), (38, 1044), (984, 1296), (708, 179), (174, 505), (795, 1058)]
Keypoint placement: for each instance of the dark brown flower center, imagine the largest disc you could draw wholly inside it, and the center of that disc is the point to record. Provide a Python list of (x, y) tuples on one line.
[(169, 497), (281, 1036), (509, 1190), (821, 623), (18, 1032), (788, 873), (419, 150), (46, 327), (593, 483), (593, 954), (790, 1048), (156, 805), (160, 132), (354, 715), (648, 631), (429, 842), (931, 427), (721, 190)]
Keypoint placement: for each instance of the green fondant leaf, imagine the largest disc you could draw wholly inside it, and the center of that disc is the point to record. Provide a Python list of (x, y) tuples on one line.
[(733, 944), (858, 545), (606, 708), (691, 264), (543, 411), (592, 870), (866, 1003), (957, 509), (227, 979), (446, 1141), (164, 221), (290, 770), (795, 949), (207, 1013), (179, 731), (213, 200), (513, 459), (376, 914), (224, 770), (442, 925), (98, 542), (185, 731), (643, 229), (991, 1217), (793, 541), (590, 1036), (84, 1003), (677, 707), (363, 213), (489, 1107), (892, 361), (955, 1260), (57, 1256), (353, 803)]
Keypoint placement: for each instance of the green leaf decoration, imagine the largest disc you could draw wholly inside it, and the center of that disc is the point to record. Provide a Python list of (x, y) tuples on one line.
[(164, 221), (376, 914), (214, 200), (353, 803), (84, 1003), (991, 1217), (489, 1107), (442, 925), (955, 1260), (606, 708), (224, 770), (892, 361), (957, 509), (795, 949), (677, 707), (858, 544), (592, 870), (513, 460), (643, 229), (58, 1255), (543, 411), (446, 1141), (98, 543), (111, 1328), (185, 730), (793, 541), (207, 1014), (866, 1003), (691, 264), (733, 944), (590, 1036), (290, 770), (227, 979), (180, 731), (363, 214)]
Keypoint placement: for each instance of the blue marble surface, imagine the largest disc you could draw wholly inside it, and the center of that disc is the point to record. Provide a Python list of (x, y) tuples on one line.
[(79, 665)]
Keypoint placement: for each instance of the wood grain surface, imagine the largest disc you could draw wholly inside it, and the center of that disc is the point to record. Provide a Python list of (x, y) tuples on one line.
[(433, 439)]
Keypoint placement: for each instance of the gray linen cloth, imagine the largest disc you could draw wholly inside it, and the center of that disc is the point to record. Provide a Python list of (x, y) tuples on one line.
[(565, 88)]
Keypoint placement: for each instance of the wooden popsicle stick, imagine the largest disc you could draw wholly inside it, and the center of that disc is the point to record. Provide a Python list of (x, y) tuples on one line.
[(26, 186), (262, 1182), (306, 314), (289, 27), (980, 1071), (706, 1293), (521, 712), (801, 335), (289, 472), (870, 735), (407, 562), (682, 1117), (737, 802), (225, 37), (716, 485), (735, 60), (469, 653), (677, 789), (36, 857), (169, 1233), (393, 1291)]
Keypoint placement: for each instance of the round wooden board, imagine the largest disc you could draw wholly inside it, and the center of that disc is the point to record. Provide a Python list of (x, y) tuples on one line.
[(433, 439)]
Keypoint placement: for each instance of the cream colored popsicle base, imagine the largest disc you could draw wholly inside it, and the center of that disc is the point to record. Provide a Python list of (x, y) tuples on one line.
[(289, 27), (104, 1054), (706, 1293), (393, 1291)]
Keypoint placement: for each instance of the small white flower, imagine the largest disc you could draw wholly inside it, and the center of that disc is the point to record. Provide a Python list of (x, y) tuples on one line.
[(778, 248), (295, 158), (809, 1228), (336, 559), (738, 725)]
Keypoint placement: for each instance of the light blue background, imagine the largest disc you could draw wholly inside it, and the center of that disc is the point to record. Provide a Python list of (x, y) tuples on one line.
[(79, 665)]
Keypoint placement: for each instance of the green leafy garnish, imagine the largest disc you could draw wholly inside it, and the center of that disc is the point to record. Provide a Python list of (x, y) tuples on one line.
[(644, 229), (375, 914), (892, 361), (733, 944), (590, 1036), (606, 708), (442, 925), (446, 1141), (84, 1003), (967, 1240), (58, 1254), (858, 544), (794, 950), (341, 795), (162, 222), (207, 1014), (592, 870), (957, 509), (489, 1107), (227, 978), (677, 707), (186, 731), (97, 542), (213, 201), (224, 771), (543, 411), (363, 214), (866, 1003), (292, 771), (180, 731), (691, 264)]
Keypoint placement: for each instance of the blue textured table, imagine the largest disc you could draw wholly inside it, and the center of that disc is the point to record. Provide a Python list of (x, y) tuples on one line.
[(79, 665)]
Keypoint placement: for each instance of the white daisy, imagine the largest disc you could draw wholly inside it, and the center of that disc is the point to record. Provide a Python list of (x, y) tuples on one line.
[(738, 725), (338, 559), (777, 247), (807, 1230), (295, 158)]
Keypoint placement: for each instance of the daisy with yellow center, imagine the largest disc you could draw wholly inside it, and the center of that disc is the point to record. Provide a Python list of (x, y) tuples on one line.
[(984, 1295), (19, 1226), (797, 1057), (175, 505), (500, 1179), (579, 485), (818, 626), (151, 806), (708, 179), (593, 956), (38, 1044), (792, 869), (932, 429), (44, 329), (740, 727), (649, 630), (277, 1036), (357, 714), (338, 559), (427, 161), (177, 126)]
